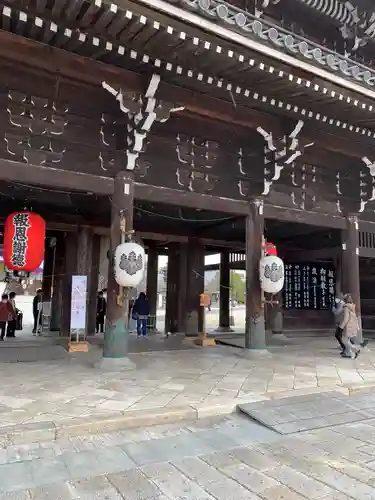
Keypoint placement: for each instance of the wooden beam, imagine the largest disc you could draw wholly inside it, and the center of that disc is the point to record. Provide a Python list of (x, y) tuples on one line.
[(189, 199), (56, 61), (303, 217), (13, 171)]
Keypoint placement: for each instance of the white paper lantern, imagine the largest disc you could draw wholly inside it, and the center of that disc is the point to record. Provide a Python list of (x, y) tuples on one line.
[(129, 264), (271, 274)]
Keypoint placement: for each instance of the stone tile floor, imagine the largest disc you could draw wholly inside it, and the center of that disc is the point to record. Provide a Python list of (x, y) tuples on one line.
[(228, 458), (203, 378), (313, 411)]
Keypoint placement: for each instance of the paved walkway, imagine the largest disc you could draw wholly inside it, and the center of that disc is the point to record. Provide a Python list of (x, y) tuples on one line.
[(220, 459), (210, 380)]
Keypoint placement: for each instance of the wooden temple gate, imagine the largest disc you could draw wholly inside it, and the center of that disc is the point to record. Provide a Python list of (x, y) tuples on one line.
[(206, 124)]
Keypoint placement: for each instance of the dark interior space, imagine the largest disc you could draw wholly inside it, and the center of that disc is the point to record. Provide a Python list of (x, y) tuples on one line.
[(63, 208)]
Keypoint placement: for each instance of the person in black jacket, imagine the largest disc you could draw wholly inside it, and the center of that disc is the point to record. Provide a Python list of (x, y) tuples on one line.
[(141, 312), (101, 310), (37, 311)]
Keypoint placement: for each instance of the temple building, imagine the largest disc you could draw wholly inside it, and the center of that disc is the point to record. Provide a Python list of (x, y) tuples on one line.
[(203, 126)]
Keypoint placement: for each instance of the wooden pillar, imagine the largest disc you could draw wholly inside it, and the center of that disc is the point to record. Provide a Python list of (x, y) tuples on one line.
[(171, 307), (48, 268), (83, 268), (152, 280), (115, 350), (255, 335), (57, 286), (195, 287), (350, 265), (93, 284), (88, 260), (276, 313), (224, 314), (182, 286), (70, 266)]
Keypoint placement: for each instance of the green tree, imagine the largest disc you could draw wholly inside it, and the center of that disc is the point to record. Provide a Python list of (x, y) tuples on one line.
[(237, 287), (213, 285)]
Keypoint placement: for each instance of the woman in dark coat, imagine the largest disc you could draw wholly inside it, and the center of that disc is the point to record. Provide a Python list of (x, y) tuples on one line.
[(37, 311), (141, 312), (101, 310), (7, 313)]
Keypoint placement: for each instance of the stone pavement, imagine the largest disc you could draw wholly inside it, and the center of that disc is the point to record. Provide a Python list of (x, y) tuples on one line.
[(216, 459), (201, 382), (310, 412)]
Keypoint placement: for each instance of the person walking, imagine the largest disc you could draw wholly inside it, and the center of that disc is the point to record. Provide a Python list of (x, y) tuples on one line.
[(12, 324), (7, 313), (37, 311), (338, 311), (349, 328), (141, 310), (101, 310)]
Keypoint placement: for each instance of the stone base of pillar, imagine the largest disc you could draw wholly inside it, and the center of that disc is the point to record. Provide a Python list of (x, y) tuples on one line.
[(279, 335), (254, 353), (115, 364), (224, 329)]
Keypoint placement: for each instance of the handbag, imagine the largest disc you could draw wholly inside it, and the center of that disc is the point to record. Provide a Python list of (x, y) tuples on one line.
[(134, 315), (19, 320)]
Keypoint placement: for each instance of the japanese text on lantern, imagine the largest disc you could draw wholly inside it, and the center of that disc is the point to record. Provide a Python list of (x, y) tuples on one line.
[(19, 242)]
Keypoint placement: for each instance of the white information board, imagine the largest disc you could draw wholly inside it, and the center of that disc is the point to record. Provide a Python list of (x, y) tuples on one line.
[(78, 303)]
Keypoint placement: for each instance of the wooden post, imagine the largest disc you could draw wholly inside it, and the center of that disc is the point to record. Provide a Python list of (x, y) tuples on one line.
[(182, 286), (115, 350), (70, 265), (350, 266), (57, 292), (224, 314), (195, 287), (255, 334), (48, 267), (277, 315), (152, 281), (171, 312), (93, 284)]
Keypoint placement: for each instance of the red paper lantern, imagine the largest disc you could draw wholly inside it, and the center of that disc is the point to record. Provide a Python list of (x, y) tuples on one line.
[(270, 249), (24, 234)]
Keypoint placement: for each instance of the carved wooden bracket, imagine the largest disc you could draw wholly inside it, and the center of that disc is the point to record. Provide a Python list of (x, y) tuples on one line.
[(279, 152), (34, 125), (142, 111)]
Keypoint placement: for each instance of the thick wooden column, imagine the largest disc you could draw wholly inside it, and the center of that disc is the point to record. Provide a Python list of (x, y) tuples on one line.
[(57, 286), (152, 280), (255, 334), (195, 287), (48, 268), (70, 266), (83, 268), (88, 256), (276, 313), (93, 283), (182, 286), (115, 350), (350, 265), (171, 306), (224, 314)]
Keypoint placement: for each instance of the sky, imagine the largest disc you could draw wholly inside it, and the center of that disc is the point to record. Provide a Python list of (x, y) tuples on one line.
[(210, 259)]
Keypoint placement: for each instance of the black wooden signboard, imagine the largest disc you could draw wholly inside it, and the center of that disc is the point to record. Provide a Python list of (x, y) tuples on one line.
[(309, 286)]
